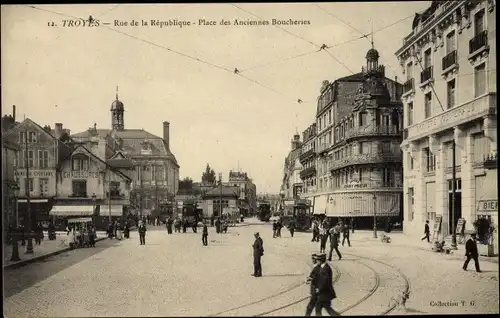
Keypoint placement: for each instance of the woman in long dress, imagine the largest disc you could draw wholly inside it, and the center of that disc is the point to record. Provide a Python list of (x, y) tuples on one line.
[(119, 233)]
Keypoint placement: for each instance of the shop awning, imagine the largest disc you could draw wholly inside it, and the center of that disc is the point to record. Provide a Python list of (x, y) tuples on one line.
[(114, 210), (72, 210), (320, 204)]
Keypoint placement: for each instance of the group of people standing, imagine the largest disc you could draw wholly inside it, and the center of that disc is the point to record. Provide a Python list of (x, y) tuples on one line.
[(322, 231), (119, 230)]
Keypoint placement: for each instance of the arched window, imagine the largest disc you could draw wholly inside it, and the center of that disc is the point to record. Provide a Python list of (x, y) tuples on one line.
[(362, 119)]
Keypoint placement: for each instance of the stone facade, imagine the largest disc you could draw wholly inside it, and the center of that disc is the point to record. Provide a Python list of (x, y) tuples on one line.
[(453, 47), (291, 187), (248, 192), (10, 188)]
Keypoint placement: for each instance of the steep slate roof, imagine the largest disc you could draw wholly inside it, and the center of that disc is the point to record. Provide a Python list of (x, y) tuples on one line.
[(104, 162), (132, 141)]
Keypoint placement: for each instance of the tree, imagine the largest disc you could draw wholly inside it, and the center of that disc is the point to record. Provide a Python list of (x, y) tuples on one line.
[(208, 176), (185, 185)]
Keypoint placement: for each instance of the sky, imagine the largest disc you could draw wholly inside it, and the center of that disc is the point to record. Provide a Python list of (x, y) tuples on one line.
[(185, 75)]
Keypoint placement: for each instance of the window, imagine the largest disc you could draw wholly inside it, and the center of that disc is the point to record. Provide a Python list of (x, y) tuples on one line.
[(29, 185), (451, 94), (330, 137), (387, 177), (330, 116), (409, 71), (410, 114), (22, 135), (79, 188), (479, 80), (362, 119), (31, 159), (360, 147), (114, 189), (44, 186), (360, 172), (16, 159), (319, 124), (480, 147), (430, 160), (450, 42), (410, 161), (80, 163), (159, 173), (428, 105), (411, 202), (479, 22), (32, 137), (43, 159), (427, 58), (386, 147)]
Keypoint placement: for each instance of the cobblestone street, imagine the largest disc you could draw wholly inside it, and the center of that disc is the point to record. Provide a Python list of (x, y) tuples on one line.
[(174, 275)]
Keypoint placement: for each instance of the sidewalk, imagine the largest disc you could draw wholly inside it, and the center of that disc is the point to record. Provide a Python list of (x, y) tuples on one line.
[(402, 240), (40, 252)]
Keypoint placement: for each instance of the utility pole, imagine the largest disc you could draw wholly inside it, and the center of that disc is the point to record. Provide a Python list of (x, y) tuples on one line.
[(29, 247), (109, 193), (220, 202), (453, 196), (374, 216)]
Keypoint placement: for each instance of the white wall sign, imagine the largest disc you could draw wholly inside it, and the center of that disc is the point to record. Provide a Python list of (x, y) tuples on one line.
[(80, 175), (35, 173)]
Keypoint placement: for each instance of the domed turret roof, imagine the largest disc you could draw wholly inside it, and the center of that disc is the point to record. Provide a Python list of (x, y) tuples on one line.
[(117, 105), (372, 54)]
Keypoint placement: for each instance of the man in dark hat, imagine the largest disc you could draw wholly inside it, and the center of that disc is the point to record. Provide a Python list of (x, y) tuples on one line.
[(324, 288), (312, 279), (204, 235), (427, 231), (471, 252), (258, 251)]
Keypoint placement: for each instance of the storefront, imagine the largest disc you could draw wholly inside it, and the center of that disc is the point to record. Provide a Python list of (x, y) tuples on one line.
[(38, 208)]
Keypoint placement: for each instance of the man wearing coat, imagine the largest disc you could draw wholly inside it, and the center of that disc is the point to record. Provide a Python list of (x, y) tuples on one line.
[(258, 251), (169, 225), (334, 243), (471, 253), (427, 231), (312, 279), (142, 233), (324, 288), (204, 235), (291, 227)]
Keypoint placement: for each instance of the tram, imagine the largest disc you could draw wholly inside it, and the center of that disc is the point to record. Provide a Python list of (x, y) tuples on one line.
[(300, 210), (264, 210), (192, 212)]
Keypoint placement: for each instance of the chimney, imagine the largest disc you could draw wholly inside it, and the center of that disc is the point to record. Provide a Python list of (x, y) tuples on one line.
[(166, 134), (14, 112), (58, 130)]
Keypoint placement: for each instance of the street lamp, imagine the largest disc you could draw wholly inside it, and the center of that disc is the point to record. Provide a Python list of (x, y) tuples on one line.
[(138, 200), (15, 236), (220, 202), (93, 206), (29, 246), (374, 216)]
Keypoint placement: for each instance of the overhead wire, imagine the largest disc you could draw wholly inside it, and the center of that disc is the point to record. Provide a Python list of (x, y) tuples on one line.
[(108, 11), (320, 47), (168, 49)]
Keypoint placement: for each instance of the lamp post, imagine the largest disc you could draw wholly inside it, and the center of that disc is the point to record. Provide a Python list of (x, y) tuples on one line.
[(93, 207), (138, 200), (15, 236), (374, 216), (453, 197)]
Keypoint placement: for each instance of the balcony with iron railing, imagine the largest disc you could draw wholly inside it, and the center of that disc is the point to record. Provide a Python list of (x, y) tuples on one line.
[(370, 158), (307, 155), (322, 148), (373, 131), (409, 85), (478, 42), (449, 60), (308, 172), (491, 161), (426, 75)]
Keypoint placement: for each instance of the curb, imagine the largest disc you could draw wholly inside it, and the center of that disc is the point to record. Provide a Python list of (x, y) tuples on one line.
[(22, 263)]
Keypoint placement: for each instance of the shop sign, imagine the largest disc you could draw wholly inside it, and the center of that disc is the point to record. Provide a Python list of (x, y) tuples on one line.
[(488, 206), (81, 175), (35, 173)]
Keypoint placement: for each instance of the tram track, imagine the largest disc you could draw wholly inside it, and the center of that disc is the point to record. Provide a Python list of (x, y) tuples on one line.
[(276, 295), (362, 300)]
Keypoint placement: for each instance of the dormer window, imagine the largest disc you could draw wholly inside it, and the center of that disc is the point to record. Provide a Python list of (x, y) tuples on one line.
[(80, 163)]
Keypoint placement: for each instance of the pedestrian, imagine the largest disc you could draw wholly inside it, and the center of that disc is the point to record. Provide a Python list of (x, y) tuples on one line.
[(352, 225), (177, 225), (471, 252), (275, 229), (169, 225), (258, 252), (126, 230), (313, 280), (204, 235), (345, 235), (291, 227), (217, 225), (334, 243), (279, 226), (212, 219), (38, 233), (324, 288), (323, 236), (315, 231), (427, 231), (195, 226), (142, 233), (184, 225), (241, 218)]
